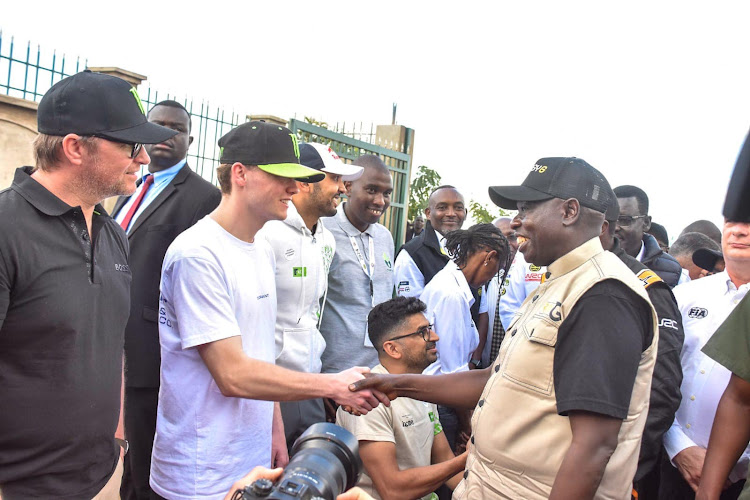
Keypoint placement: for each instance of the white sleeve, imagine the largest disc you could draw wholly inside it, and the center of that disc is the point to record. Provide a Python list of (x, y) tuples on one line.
[(515, 294), (675, 440), (483, 302), (201, 301), (407, 277), (449, 326)]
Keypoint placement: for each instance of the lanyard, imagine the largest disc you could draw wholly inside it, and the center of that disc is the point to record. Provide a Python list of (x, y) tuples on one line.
[(370, 273)]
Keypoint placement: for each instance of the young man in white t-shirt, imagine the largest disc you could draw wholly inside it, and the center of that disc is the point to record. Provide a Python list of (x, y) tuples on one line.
[(403, 448), (216, 418)]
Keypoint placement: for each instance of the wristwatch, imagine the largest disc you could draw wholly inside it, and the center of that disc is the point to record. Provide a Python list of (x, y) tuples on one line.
[(476, 362), (123, 444)]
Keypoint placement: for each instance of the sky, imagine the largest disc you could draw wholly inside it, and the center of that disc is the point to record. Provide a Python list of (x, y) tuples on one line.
[(651, 93)]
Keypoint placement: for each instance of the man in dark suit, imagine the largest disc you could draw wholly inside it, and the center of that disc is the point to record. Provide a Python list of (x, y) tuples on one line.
[(169, 199)]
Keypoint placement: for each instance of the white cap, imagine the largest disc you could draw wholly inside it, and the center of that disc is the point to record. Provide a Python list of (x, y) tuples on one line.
[(325, 159)]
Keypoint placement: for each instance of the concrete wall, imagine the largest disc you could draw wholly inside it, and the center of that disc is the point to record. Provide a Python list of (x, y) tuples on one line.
[(17, 132)]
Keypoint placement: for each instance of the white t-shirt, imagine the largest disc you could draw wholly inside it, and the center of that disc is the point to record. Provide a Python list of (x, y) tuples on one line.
[(213, 286)]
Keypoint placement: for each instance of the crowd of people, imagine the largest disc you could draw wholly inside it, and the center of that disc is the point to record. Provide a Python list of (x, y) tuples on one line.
[(165, 351)]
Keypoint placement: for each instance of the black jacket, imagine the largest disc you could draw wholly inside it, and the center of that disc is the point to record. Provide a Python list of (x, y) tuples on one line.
[(186, 200), (667, 378), (659, 262)]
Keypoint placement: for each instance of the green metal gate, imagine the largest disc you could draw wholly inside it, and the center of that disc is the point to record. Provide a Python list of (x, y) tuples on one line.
[(349, 149)]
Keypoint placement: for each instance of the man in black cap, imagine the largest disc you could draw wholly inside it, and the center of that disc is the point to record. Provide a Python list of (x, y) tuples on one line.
[(582, 348), (169, 199), (65, 292), (217, 418)]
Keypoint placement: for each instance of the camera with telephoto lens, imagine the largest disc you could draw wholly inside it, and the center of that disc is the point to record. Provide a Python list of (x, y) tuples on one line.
[(325, 463)]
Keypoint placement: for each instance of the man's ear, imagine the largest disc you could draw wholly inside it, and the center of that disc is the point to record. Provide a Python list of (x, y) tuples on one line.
[(646, 223), (304, 187), (571, 211), (190, 141), (348, 187), (73, 149), (392, 349)]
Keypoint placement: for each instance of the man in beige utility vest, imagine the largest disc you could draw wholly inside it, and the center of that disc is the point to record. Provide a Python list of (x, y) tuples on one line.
[(561, 411)]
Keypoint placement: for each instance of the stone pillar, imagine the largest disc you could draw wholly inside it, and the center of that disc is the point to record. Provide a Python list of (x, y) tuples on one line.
[(131, 77), (17, 132), (269, 119)]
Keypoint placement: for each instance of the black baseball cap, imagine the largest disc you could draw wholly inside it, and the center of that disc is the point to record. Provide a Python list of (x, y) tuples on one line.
[(272, 148), (89, 103), (706, 258), (557, 178)]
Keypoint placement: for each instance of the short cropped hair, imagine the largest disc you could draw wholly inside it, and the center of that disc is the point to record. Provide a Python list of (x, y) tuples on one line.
[(704, 227), (224, 176), (385, 317), (48, 150), (688, 243), (174, 104), (634, 192), (659, 232)]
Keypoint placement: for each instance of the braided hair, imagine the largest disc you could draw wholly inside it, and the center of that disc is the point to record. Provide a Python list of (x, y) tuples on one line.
[(462, 243)]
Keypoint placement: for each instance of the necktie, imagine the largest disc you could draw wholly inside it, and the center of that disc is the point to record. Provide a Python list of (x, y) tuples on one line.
[(498, 332), (147, 181)]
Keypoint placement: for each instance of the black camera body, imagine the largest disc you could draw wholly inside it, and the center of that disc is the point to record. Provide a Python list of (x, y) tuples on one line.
[(325, 463)]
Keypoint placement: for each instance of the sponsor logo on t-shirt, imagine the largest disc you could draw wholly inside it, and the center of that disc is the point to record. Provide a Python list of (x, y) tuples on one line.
[(403, 286), (289, 253), (697, 312), (533, 277), (534, 268), (123, 268), (553, 310), (264, 296), (407, 420), (299, 272)]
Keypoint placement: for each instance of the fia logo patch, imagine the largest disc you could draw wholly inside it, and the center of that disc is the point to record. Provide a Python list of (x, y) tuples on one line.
[(697, 312)]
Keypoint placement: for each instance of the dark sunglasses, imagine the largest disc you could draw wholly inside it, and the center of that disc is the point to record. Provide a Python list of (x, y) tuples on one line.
[(136, 147)]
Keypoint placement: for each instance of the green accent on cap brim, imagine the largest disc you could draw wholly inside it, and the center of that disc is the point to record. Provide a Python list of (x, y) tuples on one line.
[(291, 170)]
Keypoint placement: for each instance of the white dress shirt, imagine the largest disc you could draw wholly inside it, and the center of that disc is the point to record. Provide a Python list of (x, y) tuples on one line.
[(449, 300), (407, 277), (704, 304)]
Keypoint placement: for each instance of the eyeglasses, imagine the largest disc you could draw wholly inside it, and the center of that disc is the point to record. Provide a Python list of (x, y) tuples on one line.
[(424, 332), (136, 147), (626, 220)]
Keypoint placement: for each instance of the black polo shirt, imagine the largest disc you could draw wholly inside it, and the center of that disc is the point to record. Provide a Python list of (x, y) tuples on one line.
[(64, 302)]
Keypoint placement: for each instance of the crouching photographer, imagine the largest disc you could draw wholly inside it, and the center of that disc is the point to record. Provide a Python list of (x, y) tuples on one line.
[(325, 465)]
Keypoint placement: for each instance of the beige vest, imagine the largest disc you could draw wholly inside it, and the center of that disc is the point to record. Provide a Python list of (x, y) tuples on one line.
[(519, 438)]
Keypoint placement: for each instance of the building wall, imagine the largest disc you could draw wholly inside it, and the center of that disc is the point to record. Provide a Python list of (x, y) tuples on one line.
[(17, 132)]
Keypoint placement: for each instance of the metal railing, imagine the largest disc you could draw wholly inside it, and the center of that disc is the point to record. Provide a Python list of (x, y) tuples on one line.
[(29, 74)]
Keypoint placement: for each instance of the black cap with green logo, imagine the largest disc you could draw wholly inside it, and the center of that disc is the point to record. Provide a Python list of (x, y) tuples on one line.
[(89, 103), (557, 178), (272, 148)]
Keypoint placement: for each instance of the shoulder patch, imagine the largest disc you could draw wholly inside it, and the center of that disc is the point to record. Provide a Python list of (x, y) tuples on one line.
[(648, 277)]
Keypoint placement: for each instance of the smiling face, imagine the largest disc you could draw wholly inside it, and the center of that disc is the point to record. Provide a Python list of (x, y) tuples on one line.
[(537, 224), (267, 196), (369, 197), (326, 194), (446, 210), (416, 353), (168, 153)]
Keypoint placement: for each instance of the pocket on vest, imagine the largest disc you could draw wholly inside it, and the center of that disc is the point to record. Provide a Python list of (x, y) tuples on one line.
[(531, 360)]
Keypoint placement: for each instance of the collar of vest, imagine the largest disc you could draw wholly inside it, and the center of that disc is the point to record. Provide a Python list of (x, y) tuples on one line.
[(574, 258)]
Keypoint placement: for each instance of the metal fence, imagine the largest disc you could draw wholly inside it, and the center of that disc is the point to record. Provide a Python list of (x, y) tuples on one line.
[(27, 73), (348, 148)]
